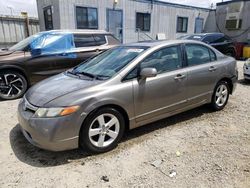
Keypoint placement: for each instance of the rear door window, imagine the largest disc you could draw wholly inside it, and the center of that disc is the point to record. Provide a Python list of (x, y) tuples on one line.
[(197, 54), (81, 40)]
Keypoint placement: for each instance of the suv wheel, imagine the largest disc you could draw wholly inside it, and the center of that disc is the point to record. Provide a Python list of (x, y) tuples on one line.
[(220, 95), (102, 130), (12, 85)]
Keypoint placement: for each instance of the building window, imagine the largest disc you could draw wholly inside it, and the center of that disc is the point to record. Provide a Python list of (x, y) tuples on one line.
[(48, 18), (182, 24), (86, 18), (143, 21)]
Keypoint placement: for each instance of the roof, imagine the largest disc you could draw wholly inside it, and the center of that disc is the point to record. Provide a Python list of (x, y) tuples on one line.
[(161, 2), (153, 43), (205, 34), (228, 2), (80, 31)]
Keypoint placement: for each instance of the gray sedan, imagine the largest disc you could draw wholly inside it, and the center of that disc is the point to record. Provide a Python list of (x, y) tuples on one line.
[(93, 104)]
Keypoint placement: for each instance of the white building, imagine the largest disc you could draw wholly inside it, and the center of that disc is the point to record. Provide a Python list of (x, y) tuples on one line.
[(232, 19), (128, 20)]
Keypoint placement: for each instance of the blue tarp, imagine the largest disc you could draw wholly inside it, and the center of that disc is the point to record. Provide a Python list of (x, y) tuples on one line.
[(54, 43)]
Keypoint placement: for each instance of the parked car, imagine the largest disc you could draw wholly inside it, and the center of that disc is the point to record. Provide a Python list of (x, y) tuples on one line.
[(45, 54), (218, 40), (246, 70), (93, 104)]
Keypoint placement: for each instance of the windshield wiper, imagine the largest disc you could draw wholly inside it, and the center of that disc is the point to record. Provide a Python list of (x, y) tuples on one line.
[(99, 77), (86, 74)]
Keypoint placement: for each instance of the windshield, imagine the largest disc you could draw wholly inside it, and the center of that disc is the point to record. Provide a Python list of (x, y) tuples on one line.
[(24, 44), (110, 62)]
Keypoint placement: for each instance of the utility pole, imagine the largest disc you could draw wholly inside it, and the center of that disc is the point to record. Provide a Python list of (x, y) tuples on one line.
[(11, 10), (25, 15)]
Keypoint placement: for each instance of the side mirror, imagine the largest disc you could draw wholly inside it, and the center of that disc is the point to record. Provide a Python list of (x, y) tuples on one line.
[(36, 52), (148, 72)]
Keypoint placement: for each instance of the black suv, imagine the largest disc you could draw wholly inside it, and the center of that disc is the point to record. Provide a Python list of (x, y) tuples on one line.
[(45, 54), (218, 40)]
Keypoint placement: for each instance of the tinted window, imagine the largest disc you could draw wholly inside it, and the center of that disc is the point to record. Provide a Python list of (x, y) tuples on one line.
[(197, 54), (84, 40), (100, 39), (86, 18), (166, 59), (182, 24), (143, 21)]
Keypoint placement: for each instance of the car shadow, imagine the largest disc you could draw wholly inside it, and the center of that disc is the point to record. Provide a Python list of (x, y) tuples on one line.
[(244, 82), (34, 156)]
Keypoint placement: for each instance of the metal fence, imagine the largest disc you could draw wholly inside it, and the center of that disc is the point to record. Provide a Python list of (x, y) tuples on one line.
[(14, 29)]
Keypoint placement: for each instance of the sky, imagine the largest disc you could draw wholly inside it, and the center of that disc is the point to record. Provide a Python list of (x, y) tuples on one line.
[(8, 7)]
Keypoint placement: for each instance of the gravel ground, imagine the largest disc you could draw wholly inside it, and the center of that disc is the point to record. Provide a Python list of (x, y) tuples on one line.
[(198, 148)]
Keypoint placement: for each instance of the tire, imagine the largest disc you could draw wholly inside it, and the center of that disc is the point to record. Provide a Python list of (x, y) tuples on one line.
[(95, 137), (221, 91), (13, 85)]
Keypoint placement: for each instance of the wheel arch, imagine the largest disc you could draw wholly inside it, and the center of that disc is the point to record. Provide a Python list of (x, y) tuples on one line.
[(115, 106), (230, 83), (16, 69)]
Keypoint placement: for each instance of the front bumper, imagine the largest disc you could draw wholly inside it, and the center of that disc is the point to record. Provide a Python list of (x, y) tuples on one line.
[(55, 134), (246, 71)]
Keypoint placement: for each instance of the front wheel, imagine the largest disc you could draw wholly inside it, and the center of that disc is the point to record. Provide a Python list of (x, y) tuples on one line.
[(102, 130), (220, 96), (12, 85)]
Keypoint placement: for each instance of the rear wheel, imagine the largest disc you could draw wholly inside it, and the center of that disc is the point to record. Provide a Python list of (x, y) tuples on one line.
[(12, 85), (102, 130), (220, 95)]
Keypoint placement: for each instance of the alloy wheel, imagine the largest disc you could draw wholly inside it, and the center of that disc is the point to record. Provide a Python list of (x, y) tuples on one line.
[(11, 85), (104, 130), (221, 95)]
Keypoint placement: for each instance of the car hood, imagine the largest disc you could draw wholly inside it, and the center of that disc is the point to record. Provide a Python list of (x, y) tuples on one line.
[(6, 56), (55, 87)]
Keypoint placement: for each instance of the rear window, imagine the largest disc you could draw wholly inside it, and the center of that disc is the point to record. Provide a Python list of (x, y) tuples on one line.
[(112, 40)]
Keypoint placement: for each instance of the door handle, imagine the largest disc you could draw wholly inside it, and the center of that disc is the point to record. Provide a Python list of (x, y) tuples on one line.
[(212, 68), (179, 76)]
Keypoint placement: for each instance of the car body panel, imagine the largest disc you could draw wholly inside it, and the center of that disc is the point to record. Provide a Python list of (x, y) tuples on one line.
[(149, 102)]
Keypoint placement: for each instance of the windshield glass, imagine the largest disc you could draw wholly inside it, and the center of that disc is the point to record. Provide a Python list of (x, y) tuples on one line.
[(24, 44), (110, 62)]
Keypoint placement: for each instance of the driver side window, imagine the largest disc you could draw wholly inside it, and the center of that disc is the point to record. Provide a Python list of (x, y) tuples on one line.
[(164, 60)]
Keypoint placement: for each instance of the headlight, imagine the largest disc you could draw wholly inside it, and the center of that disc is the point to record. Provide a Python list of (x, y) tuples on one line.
[(55, 112)]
